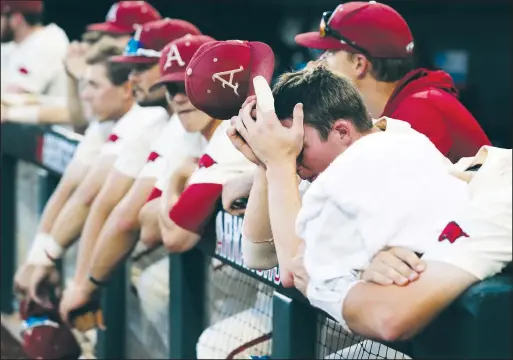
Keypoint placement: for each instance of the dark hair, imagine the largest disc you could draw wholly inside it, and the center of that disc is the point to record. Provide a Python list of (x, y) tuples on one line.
[(326, 97), (101, 52), (389, 69)]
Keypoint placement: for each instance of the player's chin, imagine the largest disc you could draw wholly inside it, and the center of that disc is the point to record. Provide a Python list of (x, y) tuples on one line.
[(189, 123)]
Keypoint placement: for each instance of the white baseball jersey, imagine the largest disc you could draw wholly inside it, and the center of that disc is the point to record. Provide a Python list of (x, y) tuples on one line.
[(36, 64), (388, 189), (220, 162), (173, 145), (95, 137)]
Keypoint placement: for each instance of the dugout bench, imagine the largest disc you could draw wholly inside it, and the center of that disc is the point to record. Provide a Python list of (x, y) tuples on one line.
[(477, 325)]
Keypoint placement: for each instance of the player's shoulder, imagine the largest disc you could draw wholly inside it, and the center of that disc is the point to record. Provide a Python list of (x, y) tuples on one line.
[(150, 115), (51, 39)]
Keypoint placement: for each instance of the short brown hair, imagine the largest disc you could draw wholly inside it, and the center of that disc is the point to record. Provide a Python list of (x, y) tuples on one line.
[(101, 52), (326, 97), (388, 69)]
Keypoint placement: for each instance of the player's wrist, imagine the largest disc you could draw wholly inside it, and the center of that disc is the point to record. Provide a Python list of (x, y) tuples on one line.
[(45, 251)]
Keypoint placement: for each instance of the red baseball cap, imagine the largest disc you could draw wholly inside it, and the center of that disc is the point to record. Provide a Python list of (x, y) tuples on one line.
[(370, 28), (150, 39), (45, 336), (22, 6), (124, 16), (176, 56), (220, 75)]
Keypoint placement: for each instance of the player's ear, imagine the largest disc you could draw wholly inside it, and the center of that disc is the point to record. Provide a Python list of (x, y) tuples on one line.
[(360, 65), (344, 130), (127, 89)]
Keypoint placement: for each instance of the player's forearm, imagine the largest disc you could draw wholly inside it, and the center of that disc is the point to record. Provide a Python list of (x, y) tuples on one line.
[(284, 205), (149, 219), (53, 114), (257, 226), (394, 313), (76, 111), (60, 196), (112, 249), (70, 221), (93, 226)]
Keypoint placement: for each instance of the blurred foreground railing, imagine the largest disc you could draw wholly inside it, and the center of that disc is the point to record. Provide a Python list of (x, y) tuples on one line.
[(477, 325)]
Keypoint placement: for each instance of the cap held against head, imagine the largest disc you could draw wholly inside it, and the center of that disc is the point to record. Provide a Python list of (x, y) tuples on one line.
[(220, 75), (176, 56), (370, 28), (149, 40), (124, 17), (21, 6)]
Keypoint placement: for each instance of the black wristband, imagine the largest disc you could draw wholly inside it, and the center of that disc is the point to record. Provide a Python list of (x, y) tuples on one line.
[(96, 282)]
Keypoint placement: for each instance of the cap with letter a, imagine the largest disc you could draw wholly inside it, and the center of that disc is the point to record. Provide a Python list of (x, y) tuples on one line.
[(220, 75), (176, 56), (124, 17)]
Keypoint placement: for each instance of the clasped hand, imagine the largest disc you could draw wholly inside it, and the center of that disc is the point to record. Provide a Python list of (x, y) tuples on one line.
[(266, 141)]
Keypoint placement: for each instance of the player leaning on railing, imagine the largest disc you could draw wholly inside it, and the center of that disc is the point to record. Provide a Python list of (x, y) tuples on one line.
[(370, 189)]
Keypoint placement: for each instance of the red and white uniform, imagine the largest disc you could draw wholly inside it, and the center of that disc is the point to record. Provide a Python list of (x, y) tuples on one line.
[(36, 64), (401, 194), (95, 137), (132, 136), (220, 162), (173, 145)]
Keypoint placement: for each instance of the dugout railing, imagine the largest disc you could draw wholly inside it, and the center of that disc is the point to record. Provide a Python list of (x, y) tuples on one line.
[(477, 325)]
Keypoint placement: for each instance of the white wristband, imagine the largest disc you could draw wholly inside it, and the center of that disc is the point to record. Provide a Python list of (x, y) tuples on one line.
[(43, 250), (23, 114)]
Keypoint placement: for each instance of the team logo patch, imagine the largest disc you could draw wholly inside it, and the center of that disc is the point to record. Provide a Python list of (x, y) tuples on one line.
[(452, 232), (113, 138), (153, 156), (206, 161)]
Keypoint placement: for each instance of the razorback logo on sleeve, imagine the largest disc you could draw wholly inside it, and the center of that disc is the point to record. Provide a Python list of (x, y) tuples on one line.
[(113, 138), (206, 161), (452, 232), (153, 156), (23, 70)]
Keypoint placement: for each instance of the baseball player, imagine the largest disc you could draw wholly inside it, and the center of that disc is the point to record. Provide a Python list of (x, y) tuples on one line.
[(122, 20), (398, 204), (32, 57), (371, 43), (102, 78), (221, 70), (114, 213)]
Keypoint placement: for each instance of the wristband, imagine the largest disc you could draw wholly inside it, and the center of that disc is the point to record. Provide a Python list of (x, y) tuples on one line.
[(96, 282), (23, 114), (44, 251)]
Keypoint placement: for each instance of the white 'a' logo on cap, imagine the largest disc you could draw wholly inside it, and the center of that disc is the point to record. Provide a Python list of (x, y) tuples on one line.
[(173, 55), (228, 83), (113, 13)]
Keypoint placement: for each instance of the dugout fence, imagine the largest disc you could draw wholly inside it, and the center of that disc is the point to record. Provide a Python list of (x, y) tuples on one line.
[(477, 325)]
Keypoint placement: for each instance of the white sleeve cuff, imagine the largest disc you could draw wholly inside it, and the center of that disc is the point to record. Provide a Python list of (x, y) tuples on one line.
[(44, 248)]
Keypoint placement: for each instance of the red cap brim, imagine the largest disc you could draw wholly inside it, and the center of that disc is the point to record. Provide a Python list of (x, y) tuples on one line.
[(134, 59), (174, 77), (109, 28), (313, 40), (263, 63)]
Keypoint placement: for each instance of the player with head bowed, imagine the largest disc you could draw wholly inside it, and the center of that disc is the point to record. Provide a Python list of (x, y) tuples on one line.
[(372, 45), (321, 130)]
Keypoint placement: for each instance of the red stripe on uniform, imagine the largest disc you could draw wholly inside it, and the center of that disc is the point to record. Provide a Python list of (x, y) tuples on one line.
[(249, 344), (153, 156), (155, 193), (195, 206)]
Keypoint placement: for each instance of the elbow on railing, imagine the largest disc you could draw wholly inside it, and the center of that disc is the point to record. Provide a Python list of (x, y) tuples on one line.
[(174, 244)]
